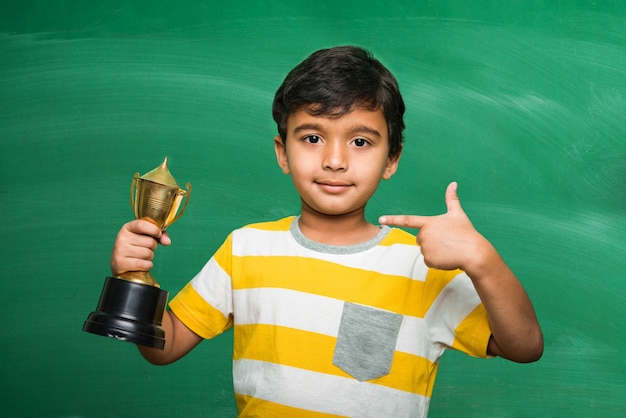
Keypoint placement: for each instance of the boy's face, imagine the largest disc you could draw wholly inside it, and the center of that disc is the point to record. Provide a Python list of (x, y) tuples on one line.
[(336, 163)]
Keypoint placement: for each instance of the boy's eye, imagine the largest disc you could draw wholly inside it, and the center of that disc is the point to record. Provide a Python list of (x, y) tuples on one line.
[(360, 142), (313, 139)]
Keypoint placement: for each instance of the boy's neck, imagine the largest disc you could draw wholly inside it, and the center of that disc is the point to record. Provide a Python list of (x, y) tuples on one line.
[(349, 229)]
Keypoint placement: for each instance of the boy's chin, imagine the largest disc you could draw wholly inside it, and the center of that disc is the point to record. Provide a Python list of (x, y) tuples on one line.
[(334, 212)]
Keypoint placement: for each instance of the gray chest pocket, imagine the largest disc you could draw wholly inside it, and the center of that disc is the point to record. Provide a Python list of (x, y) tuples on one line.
[(366, 341)]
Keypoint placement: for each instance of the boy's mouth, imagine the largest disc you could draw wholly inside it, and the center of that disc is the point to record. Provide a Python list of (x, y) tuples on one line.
[(332, 186)]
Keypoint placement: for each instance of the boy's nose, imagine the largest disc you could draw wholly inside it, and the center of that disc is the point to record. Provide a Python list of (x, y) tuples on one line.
[(335, 157)]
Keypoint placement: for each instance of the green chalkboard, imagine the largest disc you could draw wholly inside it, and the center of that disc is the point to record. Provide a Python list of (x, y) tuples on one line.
[(522, 103)]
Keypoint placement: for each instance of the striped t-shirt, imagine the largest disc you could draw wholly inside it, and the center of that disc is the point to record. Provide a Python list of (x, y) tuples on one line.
[(326, 331)]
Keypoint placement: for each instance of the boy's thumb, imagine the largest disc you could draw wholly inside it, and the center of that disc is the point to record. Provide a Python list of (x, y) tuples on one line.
[(165, 239), (453, 202)]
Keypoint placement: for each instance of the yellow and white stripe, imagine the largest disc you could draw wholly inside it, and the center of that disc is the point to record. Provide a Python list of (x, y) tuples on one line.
[(285, 302)]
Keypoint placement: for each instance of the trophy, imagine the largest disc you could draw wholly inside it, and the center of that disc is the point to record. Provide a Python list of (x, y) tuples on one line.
[(132, 305)]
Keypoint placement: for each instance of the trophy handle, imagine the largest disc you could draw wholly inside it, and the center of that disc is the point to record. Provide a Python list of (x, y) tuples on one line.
[(186, 195), (133, 188)]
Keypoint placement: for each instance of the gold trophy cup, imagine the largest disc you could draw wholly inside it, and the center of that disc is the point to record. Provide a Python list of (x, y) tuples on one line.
[(131, 305)]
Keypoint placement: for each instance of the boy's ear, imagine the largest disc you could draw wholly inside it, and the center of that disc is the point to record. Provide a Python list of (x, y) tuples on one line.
[(392, 166), (281, 154)]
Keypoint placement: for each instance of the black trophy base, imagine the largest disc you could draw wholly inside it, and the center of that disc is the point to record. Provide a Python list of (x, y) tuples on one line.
[(129, 311)]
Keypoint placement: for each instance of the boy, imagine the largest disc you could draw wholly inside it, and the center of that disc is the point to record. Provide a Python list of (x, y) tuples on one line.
[(332, 315)]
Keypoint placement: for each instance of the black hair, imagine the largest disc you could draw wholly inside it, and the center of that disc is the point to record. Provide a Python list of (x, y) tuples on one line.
[(332, 82)]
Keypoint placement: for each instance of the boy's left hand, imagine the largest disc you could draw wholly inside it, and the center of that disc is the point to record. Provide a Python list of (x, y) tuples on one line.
[(448, 241)]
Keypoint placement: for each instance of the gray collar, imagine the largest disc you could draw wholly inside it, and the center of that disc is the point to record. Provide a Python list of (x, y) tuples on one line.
[(297, 234)]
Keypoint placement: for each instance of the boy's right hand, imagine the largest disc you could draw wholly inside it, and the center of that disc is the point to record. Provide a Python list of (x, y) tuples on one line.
[(135, 245)]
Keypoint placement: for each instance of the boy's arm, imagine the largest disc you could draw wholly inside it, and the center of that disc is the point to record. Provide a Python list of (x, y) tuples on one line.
[(179, 340), (134, 251), (448, 242)]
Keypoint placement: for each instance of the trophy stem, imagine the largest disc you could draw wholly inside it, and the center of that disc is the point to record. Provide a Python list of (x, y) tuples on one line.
[(142, 277)]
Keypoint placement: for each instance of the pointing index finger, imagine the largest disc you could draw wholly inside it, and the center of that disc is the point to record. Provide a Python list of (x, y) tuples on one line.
[(407, 221)]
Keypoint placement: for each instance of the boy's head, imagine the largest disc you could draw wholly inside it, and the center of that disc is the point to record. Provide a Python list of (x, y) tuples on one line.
[(332, 82)]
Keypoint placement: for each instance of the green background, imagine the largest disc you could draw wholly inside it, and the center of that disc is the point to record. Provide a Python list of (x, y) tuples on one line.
[(523, 103)]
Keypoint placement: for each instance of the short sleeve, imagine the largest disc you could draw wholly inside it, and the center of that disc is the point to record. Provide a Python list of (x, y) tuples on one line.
[(204, 305), (456, 317)]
